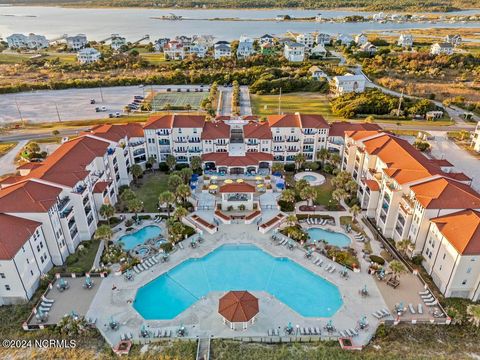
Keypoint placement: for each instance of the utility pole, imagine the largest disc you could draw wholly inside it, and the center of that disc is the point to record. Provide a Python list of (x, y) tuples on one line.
[(280, 101), (399, 104), (58, 114), (101, 93), (19, 112)]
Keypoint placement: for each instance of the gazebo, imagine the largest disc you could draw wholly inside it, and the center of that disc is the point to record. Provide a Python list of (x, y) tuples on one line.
[(238, 307), (236, 195)]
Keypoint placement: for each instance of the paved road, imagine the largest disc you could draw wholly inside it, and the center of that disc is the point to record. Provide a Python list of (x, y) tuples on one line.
[(7, 165), (245, 105), (72, 104), (226, 105)]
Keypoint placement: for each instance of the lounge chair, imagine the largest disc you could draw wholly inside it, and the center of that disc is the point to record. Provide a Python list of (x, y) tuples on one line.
[(277, 332), (385, 312), (318, 331), (412, 310), (349, 332), (426, 296), (343, 333), (430, 299), (154, 259), (303, 331), (269, 332), (432, 303), (420, 309), (43, 309), (135, 268), (46, 305), (320, 263), (332, 270), (49, 301), (354, 332), (377, 315), (426, 292), (140, 267)]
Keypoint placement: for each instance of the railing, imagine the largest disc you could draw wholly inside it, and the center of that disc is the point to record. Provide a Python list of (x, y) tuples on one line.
[(63, 203), (64, 213)]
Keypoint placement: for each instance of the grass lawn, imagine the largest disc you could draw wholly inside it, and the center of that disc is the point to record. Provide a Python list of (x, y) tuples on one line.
[(150, 186), (324, 192), (13, 58), (304, 102), (82, 261), (5, 147), (154, 58)]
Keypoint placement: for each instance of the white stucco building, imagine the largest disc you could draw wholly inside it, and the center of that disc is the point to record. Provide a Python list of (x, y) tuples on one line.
[(441, 48), (30, 41), (76, 42), (349, 83), (294, 52), (88, 55), (405, 40), (222, 49)]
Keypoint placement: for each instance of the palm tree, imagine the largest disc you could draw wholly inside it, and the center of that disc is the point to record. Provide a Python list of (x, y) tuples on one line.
[(323, 155), (351, 186), (167, 107), (339, 194), (105, 233), (335, 159), (171, 161), (168, 198), (397, 269), (180, 212), (135, 206), (173, 182), (299, 160), (188, 107), (355, 210), (127, 195), (196, 162), (288, 196), (309, 194), (473, 312), (151, 162), (183, 191), (107, 211), (403, 245), (291, 220), (186, 174), (175, 231), (301, 184), (278, 167), (136, 171)]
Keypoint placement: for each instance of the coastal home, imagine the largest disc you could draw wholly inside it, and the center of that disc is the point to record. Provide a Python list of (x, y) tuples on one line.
[(349, 83), (318, 51), (88, 55), (452, 254), (174, 50), (294, 52), (186, 41), (476, 138), (117, 42), (317, 73), (206, 40), (307, 39), (200, 50), (323, 39), (222, 49), (318, 17), (441, 48), (245, 47), (30, 41), (405, 40), (267, 49), (368, 48), (76, 42), (344, 39), (361, 39), (455, 40), (266, 39), (160, 44)]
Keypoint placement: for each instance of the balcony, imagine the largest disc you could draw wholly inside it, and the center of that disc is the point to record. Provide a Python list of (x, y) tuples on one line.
[(66, 212), (180, 140), (136, 143), (80, 189), (407, 205), (293, 139), (194, 151), (309, 141), (73, 232), (62, 204), (195, 141), (88, 210)]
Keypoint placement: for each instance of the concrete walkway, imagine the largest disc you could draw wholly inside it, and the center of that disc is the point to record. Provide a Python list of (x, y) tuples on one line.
[(7, 161)]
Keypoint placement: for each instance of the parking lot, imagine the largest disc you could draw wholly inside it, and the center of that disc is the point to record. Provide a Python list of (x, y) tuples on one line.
[(71, 104)]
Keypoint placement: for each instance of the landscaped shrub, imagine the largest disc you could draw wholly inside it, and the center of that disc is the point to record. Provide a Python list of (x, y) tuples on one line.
[(129, 223), (295, 232), (181, 166), (122, 188), (377, 259), (328, 168), (167, 247), (163, 167), (144, 217), (286, 206), (289, 167), (188, 231), (417, 259)]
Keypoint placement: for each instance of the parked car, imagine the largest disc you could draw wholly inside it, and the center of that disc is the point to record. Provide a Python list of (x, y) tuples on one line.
[(92, 101)]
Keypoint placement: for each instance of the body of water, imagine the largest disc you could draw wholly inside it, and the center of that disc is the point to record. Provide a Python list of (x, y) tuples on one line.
[(134, 23), (237, 267), (139, 237), (331, 237)]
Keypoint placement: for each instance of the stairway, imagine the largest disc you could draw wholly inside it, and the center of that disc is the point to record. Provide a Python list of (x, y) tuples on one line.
[(203, 349)]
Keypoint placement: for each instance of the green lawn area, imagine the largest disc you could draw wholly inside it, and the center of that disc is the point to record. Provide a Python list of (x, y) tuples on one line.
[(13, 58), (154, 58), (324, 192), (150, 186), (81, 261), (304, 102)]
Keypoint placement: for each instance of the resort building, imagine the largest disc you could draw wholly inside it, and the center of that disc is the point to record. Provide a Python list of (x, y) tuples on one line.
[(174, 50), (441, 48), (405, 40), (245, 47), (30, 41), (349, 83), (88, 55), (307, 39), (237, 196), (294, 52), (76, 42), (222, 49), (476, 138)]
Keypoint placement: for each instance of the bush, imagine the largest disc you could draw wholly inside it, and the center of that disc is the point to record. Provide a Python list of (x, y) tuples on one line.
[(286, 206), (167, 247), (129, 223), (144, 217), (188, 231), (289, 167), (181, 166), (417, 259), (163, 167), (377, 259), (328, 169), (122, 188)]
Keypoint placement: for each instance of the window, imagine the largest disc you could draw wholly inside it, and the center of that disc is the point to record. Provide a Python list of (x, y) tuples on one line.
[(464, 282), (2, 275), (31, 272), (7, 287), (444, 255)]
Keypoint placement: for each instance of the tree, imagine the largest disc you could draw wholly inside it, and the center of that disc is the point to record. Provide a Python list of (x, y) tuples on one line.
[(288, 196), (33, 148), (397, 269), (186, 174), (300, 184), (105, 233), (180, 212), (175, 230), (183, 191), (278, 167), (339, 194), (168, 198), (107, 211), (355, 210), (135, 205), (188, 107), (173, 182), (323, 155), (291, 220), (196, 163), (335, 159), (299, 160), (167, 107), (309, 194), (136, 171), (403, 245), (127, 195), (151, 162), (171, 161)]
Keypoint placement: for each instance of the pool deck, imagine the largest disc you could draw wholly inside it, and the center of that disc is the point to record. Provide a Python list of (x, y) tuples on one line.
[(202, 319)]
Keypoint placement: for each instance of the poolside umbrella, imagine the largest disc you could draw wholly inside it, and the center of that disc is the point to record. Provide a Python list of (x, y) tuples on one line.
[(260, 185), (228, 181), (213, 187), (194, 177), (258, 178), (239, 181), (214, 177), (238, 307)]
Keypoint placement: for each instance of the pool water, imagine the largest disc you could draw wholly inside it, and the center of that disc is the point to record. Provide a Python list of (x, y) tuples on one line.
[(139, 237), (309, 178), (331, 237), (237, 267)]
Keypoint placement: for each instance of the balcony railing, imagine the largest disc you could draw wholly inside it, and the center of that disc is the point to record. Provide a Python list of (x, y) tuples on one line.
[(63, 203), (80, 189), (66, 212)]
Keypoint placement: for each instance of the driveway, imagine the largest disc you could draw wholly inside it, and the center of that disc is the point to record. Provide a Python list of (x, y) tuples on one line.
[(7, 164)]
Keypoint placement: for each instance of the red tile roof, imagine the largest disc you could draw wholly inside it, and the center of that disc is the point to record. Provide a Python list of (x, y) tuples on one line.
[(115, 132), (28, 197), (298, 120), (237, 188), (257, 130), (238, 306), (462, 230), (250, 158), (444, 193), (361, 134), (29, 165), (215, 130), (100, 186), (15, 232), (372, 185), (339, 128), (175, 121)]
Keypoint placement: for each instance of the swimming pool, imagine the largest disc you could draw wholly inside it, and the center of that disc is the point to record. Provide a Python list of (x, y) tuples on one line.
[(139, 237), (237, 267), (331, 237), (309, 178)]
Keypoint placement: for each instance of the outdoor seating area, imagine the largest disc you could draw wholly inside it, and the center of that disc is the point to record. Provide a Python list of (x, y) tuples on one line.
[(147, 263)]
